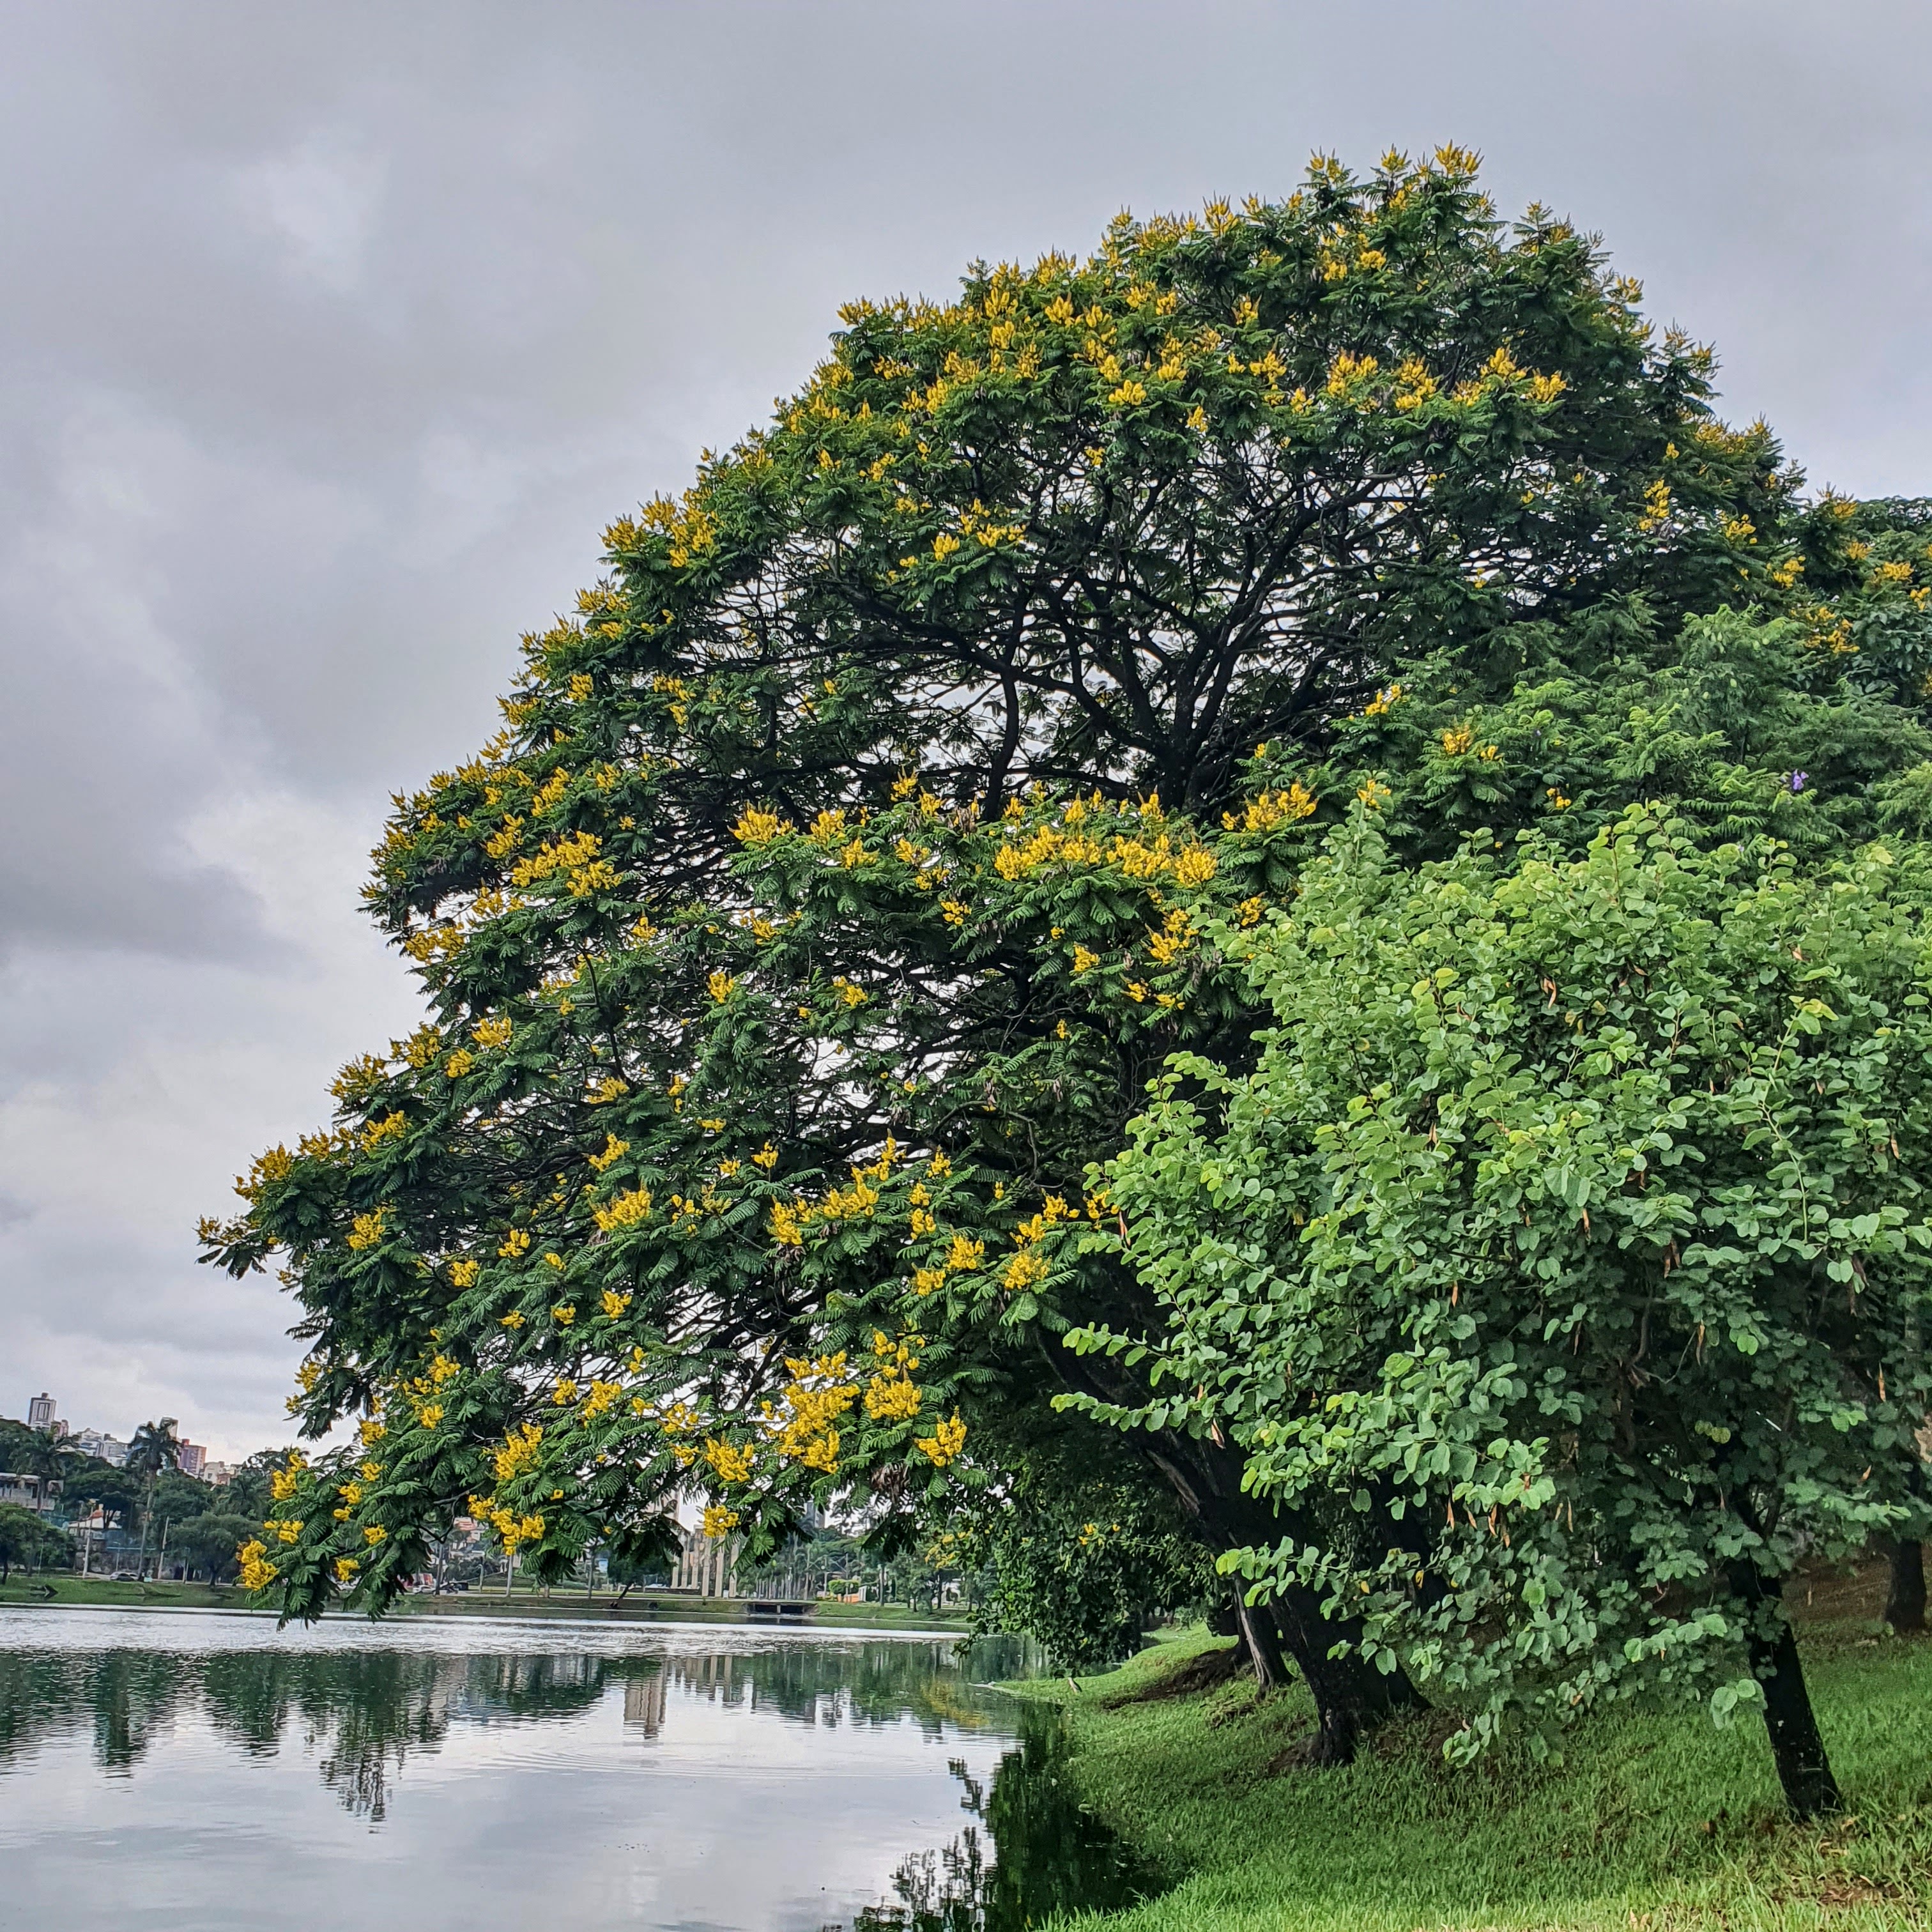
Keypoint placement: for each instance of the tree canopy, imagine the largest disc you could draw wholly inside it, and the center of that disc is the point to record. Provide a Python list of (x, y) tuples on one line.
[(843, 869), (1571, 1232), (27, 1536)]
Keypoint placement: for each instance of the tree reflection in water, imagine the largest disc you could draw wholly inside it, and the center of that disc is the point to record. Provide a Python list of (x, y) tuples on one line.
[(362, 1713), (1049, 1856)]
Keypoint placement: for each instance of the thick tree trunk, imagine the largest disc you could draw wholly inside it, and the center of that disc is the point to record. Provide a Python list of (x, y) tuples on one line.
[(1798, 1749), (1905, 1600), (1351, 1697), (1258, 1643), (1803, 1769)]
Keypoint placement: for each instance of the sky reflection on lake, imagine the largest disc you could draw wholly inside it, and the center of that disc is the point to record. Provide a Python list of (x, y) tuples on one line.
[(208, 1771)]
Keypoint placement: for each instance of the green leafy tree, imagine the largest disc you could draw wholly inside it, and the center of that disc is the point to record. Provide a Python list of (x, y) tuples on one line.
[(1083, 1565), (834, 885), (26, 1536), (1570, 1237), (116, 1491), (179, 1498), (210, 1541)]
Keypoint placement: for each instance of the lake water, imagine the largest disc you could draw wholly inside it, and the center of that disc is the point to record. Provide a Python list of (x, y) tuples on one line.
[(206, 1771)]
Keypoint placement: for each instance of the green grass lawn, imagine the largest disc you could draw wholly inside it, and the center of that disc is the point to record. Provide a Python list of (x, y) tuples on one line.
[(1656, 1823), (21, 1588)]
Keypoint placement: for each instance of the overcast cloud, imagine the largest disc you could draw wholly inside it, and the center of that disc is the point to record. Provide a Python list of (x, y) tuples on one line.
[(333, 335)]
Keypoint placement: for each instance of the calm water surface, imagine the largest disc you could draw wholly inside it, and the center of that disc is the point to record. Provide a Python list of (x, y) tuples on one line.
[(208, 1771)]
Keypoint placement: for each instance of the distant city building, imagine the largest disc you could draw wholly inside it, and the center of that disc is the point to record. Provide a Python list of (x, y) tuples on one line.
[(29, 1492), (97, 1443), (191, 1458), (707, 1565), (217, 1475), (40, 1413)]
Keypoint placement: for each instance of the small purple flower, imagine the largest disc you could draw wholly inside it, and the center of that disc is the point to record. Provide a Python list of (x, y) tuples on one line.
[(1799, 780)]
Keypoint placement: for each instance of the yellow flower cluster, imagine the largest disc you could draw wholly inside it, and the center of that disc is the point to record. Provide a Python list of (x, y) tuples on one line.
[(520, 1451), (805, 1429), (1263, 814), (277, 1164), (719, 1522), (731, 1462), (686, 521), (1174, 937), (944, 1445), (257, 1572), (1025, 1269), (576, 857), (679, 693), (855, 1203), (625, 1211), (511, 1529), (892, 1396), (366, 1230), (965, 1256), (1188, 864)]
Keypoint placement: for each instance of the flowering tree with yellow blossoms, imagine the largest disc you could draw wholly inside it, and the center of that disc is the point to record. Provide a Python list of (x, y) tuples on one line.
[(837, 880)]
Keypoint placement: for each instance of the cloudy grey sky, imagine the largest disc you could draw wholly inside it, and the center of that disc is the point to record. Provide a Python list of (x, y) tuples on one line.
[(332, 336)]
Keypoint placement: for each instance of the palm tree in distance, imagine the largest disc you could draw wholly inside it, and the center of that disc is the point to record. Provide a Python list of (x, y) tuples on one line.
[(42, 1455), (156, 1447)]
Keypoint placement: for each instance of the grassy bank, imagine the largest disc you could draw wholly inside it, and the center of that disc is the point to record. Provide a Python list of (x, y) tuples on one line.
[(565, 1605), (1656, 1823), (57, 1589)]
